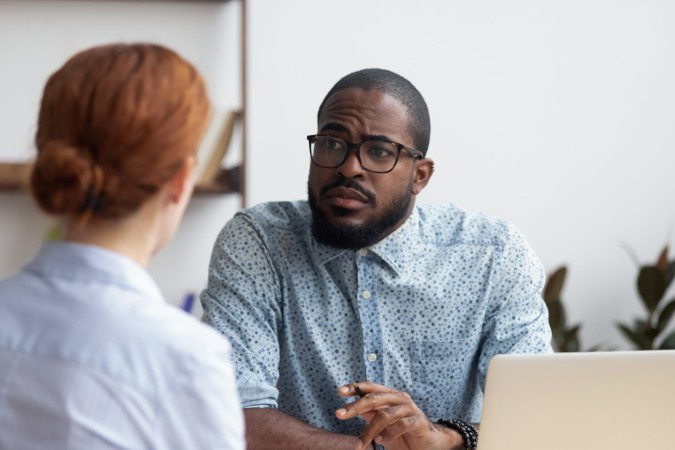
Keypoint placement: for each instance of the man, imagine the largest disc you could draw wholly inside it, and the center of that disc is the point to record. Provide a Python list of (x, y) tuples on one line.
[(360, 293)]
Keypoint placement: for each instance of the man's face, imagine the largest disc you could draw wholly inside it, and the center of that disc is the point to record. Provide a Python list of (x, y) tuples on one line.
[(351, 207)]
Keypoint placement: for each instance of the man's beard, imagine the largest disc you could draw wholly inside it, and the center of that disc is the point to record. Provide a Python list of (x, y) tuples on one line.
[(354, 237)]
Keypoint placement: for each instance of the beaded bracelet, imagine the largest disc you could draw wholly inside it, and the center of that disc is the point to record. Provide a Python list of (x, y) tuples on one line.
[(466, 430)]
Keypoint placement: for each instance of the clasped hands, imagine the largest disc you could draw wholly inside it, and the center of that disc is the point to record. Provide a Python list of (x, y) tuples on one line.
[(393, 419)]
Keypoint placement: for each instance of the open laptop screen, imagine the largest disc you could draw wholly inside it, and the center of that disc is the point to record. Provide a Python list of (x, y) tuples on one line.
[(579, 401)]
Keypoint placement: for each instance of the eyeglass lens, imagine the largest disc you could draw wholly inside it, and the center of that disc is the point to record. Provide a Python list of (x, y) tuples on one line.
[(376, 156)]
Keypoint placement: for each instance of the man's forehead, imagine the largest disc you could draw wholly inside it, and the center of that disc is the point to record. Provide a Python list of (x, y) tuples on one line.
[(360, 105), (361, 114), (363, 98)]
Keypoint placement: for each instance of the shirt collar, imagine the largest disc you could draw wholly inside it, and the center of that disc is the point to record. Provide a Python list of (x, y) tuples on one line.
[(68, 259), (395, 249), (322, 252)]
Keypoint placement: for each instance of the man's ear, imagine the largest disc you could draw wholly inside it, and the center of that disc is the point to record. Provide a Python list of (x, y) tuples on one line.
[(424, 168), (181, 183)]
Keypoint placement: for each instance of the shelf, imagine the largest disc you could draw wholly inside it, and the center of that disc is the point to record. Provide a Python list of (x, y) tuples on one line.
[(14, 177), (227, 181)]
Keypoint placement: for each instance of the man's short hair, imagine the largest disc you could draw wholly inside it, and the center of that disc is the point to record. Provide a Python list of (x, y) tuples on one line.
[(397, 87)]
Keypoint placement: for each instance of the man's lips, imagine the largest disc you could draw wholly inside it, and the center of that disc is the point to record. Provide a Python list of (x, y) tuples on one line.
[(345, 197)]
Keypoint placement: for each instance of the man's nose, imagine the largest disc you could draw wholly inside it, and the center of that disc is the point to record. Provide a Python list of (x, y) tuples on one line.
[(351, 167)]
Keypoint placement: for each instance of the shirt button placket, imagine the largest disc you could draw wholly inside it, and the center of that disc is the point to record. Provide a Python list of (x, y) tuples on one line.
[(368, 309)]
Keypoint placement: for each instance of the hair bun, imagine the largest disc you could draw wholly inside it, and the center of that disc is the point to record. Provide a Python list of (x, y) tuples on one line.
[(62, 178)]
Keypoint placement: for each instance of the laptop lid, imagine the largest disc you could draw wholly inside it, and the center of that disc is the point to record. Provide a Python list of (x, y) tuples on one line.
[(581, 401)]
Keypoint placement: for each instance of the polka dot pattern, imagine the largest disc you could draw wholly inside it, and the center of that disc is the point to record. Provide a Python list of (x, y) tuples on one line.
[(421, 311)]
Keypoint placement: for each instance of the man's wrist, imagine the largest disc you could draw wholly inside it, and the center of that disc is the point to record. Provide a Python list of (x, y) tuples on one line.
[(466, 431)]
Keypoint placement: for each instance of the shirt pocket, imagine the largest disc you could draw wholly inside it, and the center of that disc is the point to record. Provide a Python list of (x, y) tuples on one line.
[(440, 375)]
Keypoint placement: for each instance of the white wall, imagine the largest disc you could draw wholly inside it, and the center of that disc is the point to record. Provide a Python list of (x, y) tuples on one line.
[(556, 115)]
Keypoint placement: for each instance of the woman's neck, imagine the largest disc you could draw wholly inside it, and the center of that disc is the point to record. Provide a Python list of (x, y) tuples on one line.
[(136, 236)]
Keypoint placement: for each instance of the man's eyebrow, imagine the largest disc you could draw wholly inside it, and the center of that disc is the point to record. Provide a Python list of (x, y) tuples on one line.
[(377, 137), (331, 126)]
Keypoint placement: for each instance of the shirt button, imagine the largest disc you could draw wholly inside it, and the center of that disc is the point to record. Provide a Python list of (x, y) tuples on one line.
[(372, 357), (363, 252), (366, 294)]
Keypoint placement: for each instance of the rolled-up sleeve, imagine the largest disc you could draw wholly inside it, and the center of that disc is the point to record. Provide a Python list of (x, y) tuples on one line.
[(242, 302)]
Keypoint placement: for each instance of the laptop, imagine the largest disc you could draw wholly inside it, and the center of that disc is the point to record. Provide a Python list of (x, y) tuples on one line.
[(580, 401)]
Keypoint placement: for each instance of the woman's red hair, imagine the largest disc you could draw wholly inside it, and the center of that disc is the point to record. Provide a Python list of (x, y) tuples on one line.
[(116, 123)]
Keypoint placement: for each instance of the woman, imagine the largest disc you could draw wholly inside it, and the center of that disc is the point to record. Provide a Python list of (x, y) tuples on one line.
[(91, 356)]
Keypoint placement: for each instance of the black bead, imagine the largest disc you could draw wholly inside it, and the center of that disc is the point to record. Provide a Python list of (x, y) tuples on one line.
[(467, 431)]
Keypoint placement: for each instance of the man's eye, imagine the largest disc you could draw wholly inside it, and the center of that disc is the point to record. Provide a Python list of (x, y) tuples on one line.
[(381, 152), (331, 144)]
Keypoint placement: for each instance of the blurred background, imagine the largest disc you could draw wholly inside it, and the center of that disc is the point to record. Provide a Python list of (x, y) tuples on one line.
[(558, 116)]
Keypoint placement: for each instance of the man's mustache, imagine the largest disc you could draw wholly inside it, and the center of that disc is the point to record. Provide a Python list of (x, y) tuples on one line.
[(348, 183)]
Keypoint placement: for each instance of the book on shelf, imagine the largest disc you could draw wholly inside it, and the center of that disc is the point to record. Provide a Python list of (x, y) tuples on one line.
[(15, 175), (215, 145)]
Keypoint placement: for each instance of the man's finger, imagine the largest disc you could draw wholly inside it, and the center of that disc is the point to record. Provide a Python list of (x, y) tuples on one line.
[(388, 423), (361, 388), (370, 402)]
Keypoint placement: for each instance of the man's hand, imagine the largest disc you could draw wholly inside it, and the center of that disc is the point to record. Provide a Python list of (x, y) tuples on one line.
[(394, 420)]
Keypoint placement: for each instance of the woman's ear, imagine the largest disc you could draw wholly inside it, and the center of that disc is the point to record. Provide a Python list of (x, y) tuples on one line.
[(424, 168), (182, 183)]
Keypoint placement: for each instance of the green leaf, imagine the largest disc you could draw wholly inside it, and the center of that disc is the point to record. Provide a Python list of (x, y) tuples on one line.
[(646, 332), (669, 342), (662, 260), (554, 284), (570, 341), (632, 336), (665, 316), (556, 316), (652, 286), (669, 273), (640, 328)]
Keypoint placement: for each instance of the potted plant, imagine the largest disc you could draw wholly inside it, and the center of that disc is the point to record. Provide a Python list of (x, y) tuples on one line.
[(653, 280)]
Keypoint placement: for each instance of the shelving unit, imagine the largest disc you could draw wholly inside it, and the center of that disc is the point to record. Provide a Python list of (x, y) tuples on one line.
[(14, 176)]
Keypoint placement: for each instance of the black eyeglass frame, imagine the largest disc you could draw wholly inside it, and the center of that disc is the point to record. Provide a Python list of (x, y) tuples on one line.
[(356, 146)]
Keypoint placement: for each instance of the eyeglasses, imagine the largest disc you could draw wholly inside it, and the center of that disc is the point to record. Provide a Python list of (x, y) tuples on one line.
[(374, 155)]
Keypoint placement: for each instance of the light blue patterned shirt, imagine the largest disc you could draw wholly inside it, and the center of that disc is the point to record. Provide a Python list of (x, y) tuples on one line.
[(422, 311)]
